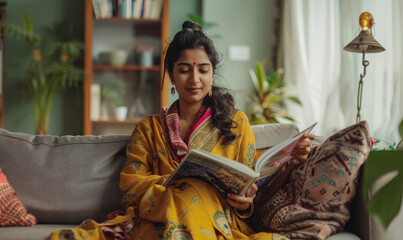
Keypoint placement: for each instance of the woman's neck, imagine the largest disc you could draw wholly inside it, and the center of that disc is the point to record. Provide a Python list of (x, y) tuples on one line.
[(188, 112)]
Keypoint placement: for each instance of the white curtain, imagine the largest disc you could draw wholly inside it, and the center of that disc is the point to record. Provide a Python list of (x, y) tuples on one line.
[(325, 77)]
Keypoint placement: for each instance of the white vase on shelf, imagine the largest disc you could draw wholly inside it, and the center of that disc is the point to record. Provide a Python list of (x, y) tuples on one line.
[(121, 113)]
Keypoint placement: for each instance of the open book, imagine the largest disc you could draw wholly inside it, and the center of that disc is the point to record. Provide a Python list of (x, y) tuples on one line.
[(229, 176)]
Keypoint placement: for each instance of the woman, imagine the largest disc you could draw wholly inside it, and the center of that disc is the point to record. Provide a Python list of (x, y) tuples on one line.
[(204, 118)]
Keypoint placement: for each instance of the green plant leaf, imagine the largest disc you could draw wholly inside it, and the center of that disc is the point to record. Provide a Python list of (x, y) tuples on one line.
[(27, 23), (207, 25), (294, 99), (401, 129), (385, 204), (255, 81), (24, 33), (270, 94), (261, 75), (195, 18)]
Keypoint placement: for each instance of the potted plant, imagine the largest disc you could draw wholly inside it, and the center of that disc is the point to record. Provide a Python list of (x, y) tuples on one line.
[(45, 72), (114, 92), (385, 204), (267, 102)]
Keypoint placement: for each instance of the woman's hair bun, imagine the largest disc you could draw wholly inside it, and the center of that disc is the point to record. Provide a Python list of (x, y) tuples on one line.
[(191, 25)]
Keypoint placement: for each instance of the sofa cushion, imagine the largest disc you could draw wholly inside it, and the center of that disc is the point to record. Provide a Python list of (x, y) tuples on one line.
[(66, 179), (314, 203), (12, 211)]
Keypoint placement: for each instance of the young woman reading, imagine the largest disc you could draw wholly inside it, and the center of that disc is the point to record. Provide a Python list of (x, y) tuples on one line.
[(204, 118)]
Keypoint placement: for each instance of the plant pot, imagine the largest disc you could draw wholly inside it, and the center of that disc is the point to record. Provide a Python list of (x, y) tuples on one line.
[(121, 113)]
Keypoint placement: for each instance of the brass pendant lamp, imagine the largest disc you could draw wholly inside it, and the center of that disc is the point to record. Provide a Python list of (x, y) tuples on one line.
[(364, 43)]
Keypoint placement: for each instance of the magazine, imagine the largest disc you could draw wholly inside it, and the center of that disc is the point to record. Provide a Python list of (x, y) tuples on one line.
[(229, 176), (271, 161)]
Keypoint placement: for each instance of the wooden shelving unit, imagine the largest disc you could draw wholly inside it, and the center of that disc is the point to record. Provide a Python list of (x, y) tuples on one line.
[(142, 83)]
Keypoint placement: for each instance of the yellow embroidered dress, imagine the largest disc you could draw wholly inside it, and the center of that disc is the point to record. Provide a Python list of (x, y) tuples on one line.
[(189, 209)]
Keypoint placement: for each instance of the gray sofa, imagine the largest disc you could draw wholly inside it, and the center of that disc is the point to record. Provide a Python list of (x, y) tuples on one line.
[(65, 180)]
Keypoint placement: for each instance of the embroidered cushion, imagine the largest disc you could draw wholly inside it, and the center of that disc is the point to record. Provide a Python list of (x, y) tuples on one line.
[(12, 211), (314, 202)]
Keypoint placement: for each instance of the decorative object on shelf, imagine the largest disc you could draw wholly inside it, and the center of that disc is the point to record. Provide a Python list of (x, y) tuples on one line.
[(121, 113), (46, 73), (118, 58), (95, 101), (139, 108), (114, 92), (103, 58), (145, 55), (268, 100), (364, 43), (386, 203)]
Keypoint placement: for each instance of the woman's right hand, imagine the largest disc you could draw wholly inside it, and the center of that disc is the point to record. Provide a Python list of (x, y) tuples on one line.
[(303, 148)]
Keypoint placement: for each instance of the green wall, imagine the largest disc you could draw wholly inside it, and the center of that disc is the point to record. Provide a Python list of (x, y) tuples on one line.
[(179, 11), (240, 23), (247, 23)]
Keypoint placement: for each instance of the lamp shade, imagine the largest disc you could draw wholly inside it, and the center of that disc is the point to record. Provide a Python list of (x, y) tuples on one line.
[(364, 42)]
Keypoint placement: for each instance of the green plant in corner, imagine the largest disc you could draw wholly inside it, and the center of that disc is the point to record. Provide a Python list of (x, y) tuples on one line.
[(46, 71), (386, 203), (267, 102)]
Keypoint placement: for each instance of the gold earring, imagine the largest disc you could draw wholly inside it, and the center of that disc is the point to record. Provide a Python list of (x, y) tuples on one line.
[(173, 91), (210, 92)]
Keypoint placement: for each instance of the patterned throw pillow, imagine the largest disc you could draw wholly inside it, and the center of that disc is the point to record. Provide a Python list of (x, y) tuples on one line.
[(12, 211), (314, 202)]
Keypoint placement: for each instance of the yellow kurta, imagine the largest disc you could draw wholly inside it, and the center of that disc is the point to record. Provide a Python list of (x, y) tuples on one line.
[(189, 209)]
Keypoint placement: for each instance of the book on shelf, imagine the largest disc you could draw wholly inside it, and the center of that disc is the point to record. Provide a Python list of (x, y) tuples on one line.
[(156, 9), (95, 6), (147, 9), (137, 6), (229, 176), (95, 112)]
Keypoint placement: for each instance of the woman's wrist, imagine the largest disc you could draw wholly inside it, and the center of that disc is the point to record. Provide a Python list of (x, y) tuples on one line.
[(244, 213)]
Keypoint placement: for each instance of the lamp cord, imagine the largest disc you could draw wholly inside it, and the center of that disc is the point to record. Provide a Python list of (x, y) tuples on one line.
[(365, 63)]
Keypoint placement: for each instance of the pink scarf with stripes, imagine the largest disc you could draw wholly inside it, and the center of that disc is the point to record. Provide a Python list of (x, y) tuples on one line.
[(171, 125)]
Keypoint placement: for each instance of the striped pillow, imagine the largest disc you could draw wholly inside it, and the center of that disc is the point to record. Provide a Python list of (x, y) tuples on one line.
[(12, 211)]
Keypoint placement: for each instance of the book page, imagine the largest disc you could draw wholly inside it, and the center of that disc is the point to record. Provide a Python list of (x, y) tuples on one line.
[(270, 161), (225, 175)]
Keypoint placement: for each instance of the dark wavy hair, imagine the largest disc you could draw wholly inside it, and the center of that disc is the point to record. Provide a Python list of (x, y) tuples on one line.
[(221, 101)]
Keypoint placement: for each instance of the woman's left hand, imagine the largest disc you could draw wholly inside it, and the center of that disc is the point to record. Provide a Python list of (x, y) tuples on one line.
[(242, 202)]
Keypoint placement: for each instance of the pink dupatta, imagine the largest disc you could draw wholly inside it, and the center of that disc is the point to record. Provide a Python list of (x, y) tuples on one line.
[(171, 126)]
